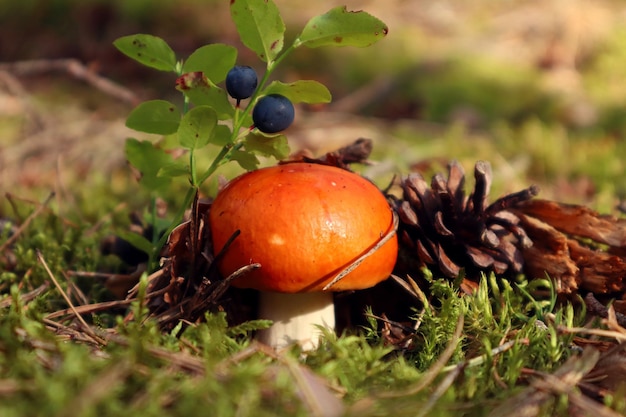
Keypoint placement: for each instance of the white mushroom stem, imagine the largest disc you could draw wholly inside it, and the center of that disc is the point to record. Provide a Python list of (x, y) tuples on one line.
[(296, 318)]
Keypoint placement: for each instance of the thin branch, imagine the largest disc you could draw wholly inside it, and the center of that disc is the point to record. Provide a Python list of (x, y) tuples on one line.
[(15, 88), (91, 308), (26, 222), (620, 337), (29, 296), (74, 68)]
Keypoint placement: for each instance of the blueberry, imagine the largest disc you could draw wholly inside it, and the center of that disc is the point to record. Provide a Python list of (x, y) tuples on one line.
[(241, 82), (273, 113)]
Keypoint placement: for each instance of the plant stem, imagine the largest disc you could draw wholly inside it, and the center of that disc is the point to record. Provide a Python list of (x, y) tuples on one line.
[(193, 176), (240, 117), (153, 218), (236, 123), (216, 163), (185, 104), (271, 66)]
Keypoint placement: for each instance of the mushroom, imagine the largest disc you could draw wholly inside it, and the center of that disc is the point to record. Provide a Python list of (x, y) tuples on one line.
[(304, 224)]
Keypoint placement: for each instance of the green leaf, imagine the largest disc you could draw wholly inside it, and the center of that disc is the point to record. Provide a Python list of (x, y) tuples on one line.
[(154, 116), (175, 169), (136, 240), (275, 146), (260, 26), (213, 60), (302, 91), (148, 50), (202, 92), (148, 159), (222, 136), (196, 127), (340, 27), (245, 159)]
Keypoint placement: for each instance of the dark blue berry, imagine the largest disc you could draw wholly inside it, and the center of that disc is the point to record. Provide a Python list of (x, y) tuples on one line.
[(273, 113), (241, 82)]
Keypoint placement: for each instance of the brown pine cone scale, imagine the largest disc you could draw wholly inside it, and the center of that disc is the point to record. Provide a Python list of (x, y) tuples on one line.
[(448, 232)]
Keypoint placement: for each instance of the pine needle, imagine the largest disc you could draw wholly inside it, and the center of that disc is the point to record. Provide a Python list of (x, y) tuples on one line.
[(82, 321)]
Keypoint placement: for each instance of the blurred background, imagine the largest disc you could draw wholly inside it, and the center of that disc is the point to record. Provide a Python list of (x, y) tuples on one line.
[(538, 88)]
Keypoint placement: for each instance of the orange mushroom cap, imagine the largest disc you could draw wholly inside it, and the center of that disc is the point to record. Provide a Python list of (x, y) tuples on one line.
[(304, 223)]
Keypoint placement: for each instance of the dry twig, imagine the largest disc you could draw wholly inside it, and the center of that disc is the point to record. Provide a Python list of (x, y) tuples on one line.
[(26, 223), (74, 68)]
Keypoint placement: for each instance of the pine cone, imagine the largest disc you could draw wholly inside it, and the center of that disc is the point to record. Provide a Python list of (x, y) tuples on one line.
[(440, 228), (444, 230)]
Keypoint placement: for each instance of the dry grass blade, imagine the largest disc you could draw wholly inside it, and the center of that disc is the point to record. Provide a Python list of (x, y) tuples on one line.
[(615, 329), (607, 377), (581, 405), (82, 321), (363, 257), (411, 287), (68, 333), (181, 361), (152, 277), (439, 391), (528, 403), (613, 323), (91, 308), (14, 87), (74, 68), (208, 294), (436, 368), (29, 296), (118, 284), (620, 337), (314, 392), (26, 223), (479, 360), (392, 324)]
